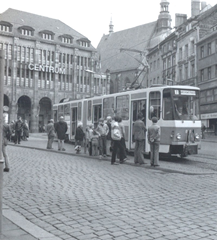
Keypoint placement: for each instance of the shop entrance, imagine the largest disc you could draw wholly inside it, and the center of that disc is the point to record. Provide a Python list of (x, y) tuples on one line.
[(24, 108), (45, 112)]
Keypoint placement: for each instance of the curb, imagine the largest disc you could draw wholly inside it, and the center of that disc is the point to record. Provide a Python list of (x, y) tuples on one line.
[(27, 226)]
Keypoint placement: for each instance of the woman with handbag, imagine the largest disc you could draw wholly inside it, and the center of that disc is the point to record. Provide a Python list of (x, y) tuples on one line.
[(116, 137)]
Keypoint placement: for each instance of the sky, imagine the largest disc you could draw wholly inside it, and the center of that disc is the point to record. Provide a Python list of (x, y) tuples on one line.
[(91, 18)]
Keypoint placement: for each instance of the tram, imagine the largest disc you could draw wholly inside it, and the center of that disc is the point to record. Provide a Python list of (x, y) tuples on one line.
[(176, 107)]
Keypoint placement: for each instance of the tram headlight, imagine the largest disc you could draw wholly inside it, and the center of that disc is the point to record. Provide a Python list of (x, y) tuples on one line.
[(178, 136), (197, 136)]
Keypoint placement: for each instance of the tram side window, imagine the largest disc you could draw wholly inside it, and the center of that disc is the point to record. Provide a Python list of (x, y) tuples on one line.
[(79, 111), (60, 111), (122, 107), (89, 110), (67, 112), (154, 104), (108, 107)]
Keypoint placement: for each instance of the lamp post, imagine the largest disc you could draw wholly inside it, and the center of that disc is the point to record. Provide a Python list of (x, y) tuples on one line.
[(2, 66)]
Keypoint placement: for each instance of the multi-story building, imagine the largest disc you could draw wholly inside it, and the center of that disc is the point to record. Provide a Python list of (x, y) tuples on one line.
[(46, 62), (207, 79)]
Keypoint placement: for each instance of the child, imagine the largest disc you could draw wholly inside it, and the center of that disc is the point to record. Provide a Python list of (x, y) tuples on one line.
[(95, 143), (79, 137)]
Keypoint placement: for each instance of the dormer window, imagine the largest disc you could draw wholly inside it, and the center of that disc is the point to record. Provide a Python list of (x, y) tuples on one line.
[(66, 39), (5, 26), (26, 30), (84, 42), (48, 35)]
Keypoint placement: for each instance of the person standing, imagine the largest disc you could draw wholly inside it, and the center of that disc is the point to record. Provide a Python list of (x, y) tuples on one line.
[(116, 138), (6, 132), (79, 137), (18, 130), (102, 130), (25, 130), (50, 133), (61, 129), (154, 141), (203, 129), (108, 137), (122, 131), (139, 131)]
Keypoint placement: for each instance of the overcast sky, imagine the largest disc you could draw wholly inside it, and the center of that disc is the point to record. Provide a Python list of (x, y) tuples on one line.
[(91, 17)]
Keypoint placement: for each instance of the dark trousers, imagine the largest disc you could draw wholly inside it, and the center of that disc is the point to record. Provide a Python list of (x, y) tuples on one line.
[(90, 148), (117, 146), (17, 136), (102, 145), (124, 149)]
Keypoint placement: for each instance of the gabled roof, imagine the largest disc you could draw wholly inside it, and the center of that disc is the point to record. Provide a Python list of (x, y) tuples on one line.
[(40, 23), (133, 38)]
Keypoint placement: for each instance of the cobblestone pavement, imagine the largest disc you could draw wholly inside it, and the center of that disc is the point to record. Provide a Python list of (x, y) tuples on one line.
[(79, 198)]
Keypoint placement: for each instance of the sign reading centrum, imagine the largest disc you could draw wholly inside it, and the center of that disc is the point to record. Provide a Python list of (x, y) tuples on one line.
[(46, 68)]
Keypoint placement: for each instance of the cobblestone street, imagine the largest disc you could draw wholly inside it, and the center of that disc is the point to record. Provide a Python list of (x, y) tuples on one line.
[(79, 198)]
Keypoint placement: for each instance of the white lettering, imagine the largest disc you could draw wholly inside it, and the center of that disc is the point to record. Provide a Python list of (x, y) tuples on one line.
[(31, 66), (51, 69), (46, 68), (41, 68), (36, 67)]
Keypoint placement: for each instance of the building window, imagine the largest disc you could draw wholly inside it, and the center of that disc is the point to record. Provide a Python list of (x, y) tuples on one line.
[(26, 32), (180, 53), (186, 50), (174, 60), (216, 70), (209, 50), (180, 74), (168, 62), (66, 40), (192, 47), (164, 64), (202, 52), (209, 73), (186, 71), (202, 75), (5, 28), (209, 95), (192, 69)]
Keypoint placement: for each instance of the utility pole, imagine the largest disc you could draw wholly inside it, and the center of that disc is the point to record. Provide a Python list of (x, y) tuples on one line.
[(2, 68)]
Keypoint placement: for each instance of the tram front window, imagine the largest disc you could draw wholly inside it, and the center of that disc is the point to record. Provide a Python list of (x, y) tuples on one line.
[(180, 105)]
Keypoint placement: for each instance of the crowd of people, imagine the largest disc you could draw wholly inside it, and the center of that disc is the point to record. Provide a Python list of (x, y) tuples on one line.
[(16, 132), (107, 139)]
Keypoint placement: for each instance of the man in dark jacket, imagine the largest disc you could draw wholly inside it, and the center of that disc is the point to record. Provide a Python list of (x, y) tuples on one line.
[(18, 130), (61, 129)]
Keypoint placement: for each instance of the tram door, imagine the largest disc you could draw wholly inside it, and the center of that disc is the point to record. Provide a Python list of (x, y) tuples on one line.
[(97, 114), (138, 106), (74, 117)]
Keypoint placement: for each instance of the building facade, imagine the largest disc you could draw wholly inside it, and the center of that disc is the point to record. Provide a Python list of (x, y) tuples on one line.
[(46, 62), (207, 79)]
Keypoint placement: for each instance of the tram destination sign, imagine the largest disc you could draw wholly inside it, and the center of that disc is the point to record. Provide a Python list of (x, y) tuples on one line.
[(46, 68), (185, 92)]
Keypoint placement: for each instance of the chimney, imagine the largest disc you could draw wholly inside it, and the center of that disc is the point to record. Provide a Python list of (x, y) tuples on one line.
[(195, 7), (203, 5), (180, 19)]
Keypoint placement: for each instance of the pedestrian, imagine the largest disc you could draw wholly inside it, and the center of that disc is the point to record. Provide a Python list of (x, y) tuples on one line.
[(108, 137), (50, 133), (95, 143), (116, 137), (88, 137), (25, 131), (122, 131), (61, 129), (102, 130), (139, 132), (79, 137), (154, 141), (203, 129), (18, 130), (6, 133), (12, 127)]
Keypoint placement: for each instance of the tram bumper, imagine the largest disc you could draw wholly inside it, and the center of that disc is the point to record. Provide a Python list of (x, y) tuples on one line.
[(184, 149)]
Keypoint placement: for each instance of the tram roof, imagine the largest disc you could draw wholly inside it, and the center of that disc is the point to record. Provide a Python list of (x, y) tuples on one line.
[(133, 91)]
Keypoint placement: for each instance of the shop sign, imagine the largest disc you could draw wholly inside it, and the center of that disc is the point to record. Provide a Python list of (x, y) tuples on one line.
[(46, 68), (209, 116)]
